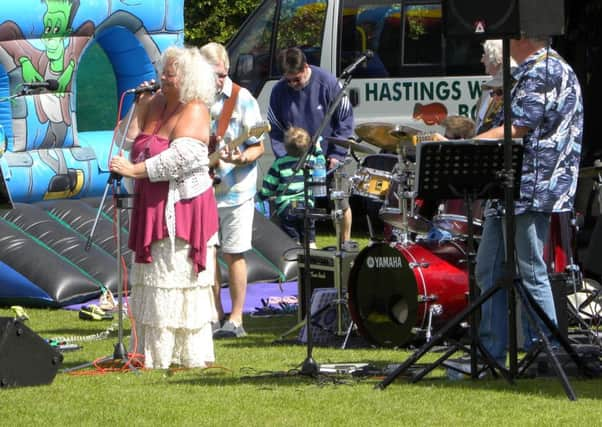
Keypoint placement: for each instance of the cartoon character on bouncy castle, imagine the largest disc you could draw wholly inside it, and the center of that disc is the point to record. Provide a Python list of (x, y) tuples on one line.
[(55, 61)]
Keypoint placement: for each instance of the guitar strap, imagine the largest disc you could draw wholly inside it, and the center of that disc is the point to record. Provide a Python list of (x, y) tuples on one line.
[(224, 118), (222, 124)]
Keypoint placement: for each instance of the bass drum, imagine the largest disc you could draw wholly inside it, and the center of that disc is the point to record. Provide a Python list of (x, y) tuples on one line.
[(392, 288)]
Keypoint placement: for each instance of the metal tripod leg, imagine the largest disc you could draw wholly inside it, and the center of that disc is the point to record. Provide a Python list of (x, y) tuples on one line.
[(292, 330), (531, 306), (439, 335), (347, 335)]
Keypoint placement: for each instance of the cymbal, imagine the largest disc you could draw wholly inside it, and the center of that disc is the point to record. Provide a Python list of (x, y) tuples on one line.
[(590, 172), (387, 136), (349, 143), (377, 133), (405, 132)]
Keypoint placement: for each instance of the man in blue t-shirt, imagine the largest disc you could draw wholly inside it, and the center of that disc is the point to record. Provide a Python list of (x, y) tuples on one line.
[(301, 99)]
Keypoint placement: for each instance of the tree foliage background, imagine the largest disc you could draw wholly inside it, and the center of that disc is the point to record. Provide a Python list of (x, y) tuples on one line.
[(214, 20)]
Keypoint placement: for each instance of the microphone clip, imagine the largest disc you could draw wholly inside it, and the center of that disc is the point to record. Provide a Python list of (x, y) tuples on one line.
[(351, 67)]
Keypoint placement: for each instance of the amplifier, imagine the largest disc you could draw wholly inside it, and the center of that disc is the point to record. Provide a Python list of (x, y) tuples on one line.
[(324, 266)]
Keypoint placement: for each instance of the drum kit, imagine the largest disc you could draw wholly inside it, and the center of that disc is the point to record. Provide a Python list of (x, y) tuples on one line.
[(403, 288)]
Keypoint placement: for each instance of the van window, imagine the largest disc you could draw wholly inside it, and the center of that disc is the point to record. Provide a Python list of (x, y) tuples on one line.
[(406, 39), (421, 34), (272, 27), (301, 25), (249, 50)]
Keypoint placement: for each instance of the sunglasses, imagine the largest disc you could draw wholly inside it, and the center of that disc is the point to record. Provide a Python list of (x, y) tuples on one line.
[(294, 80)]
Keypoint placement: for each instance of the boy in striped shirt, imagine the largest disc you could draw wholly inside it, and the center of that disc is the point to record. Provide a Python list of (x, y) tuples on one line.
[(286, 189)]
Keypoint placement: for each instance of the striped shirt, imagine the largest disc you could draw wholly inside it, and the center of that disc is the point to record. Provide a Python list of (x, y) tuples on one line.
[(280, 175)]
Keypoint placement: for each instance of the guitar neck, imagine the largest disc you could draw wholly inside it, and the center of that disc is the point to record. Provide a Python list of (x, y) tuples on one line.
[(213, 157), (255, 131)]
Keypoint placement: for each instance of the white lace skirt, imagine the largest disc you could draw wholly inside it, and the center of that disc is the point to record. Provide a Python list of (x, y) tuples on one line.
[(173, 307)]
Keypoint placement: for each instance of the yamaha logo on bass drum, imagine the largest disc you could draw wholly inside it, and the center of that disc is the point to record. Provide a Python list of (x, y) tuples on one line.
[(384, 262)]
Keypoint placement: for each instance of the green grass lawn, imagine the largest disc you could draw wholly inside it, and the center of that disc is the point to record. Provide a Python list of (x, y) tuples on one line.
[(254, 383)]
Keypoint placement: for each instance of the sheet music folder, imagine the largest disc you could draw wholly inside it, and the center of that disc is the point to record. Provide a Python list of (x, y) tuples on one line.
[(446, 169)]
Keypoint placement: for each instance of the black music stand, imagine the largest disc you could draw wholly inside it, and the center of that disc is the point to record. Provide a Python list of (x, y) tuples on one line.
[(476, 169)]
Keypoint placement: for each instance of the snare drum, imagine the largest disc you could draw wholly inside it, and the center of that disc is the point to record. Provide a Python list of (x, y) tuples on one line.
[(390, 212), (453, 219), (373, 179), (394, 288)]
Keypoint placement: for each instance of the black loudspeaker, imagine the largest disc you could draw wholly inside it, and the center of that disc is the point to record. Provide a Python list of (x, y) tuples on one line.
[(503, 18), (25, 358), (322, 265)]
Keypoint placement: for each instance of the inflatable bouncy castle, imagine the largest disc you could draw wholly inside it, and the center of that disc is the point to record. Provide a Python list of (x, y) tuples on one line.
[(64, 65), (49, 50), (45, 155)]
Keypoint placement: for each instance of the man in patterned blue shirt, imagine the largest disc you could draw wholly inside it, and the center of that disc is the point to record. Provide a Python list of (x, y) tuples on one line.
[(547, 113), (235, 193)]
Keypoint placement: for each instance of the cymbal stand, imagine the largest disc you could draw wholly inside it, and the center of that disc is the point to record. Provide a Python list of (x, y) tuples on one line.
[(337, 195), (404, 194)]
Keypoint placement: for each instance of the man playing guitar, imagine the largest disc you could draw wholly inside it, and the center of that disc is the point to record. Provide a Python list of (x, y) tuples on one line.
[(234, 111)]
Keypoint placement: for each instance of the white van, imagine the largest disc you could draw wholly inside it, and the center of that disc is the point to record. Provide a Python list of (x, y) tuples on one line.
[(415, 78)]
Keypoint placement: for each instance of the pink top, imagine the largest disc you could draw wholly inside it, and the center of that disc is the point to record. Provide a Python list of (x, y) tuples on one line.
[(196, 218)]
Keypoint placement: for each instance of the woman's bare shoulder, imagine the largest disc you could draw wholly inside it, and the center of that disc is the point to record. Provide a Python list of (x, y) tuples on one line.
[(194, 121)]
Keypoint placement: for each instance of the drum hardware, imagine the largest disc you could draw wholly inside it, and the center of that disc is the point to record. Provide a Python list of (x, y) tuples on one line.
[(352, 145), (335, 265), (591, 171), (450, 170), (418, 264), (434, 310), (427, 298)]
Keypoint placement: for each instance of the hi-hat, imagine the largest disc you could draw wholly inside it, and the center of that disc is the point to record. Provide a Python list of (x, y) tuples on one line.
[(404, 132), (406, 136), (349, 143)]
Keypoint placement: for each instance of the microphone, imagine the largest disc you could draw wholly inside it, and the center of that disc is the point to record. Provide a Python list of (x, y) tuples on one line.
[(50, 84), (351, 67), (141, 89)]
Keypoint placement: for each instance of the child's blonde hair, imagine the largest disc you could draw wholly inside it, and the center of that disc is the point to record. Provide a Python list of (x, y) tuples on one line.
[(458, 127), (296, 141)]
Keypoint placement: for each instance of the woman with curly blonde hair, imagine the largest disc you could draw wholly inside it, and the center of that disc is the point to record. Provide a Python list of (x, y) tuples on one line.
[(173, 228)]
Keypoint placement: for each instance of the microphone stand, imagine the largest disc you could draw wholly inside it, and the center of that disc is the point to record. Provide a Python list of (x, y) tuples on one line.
[(24, 92), (120, 352), (309, 366), (112, 178)]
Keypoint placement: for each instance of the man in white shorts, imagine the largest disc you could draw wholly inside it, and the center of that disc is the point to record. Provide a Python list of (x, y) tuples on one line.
[(235, 193)]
